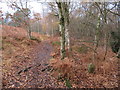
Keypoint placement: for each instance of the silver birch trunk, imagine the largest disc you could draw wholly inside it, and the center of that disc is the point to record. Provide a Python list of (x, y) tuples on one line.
[(66, 16), (96, 38), (67, 38), (61, 29)]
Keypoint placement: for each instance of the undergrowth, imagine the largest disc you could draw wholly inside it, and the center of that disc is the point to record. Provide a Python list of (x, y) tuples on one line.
[(36, 39), (81, 49), (56, 43)]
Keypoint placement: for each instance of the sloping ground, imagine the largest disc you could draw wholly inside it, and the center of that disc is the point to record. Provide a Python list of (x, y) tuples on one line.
[(25, 63), (15, 44), (24, 60), (15, 32), (26, 70), (75, 68)]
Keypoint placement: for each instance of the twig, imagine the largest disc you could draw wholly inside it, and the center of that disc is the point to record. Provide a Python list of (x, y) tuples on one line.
[(28, 68), (26, 83)]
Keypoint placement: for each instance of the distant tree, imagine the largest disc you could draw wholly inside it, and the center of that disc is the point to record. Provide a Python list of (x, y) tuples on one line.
[(19, 18), (51, 24), (35, 23), (22, 15), (1, 19)]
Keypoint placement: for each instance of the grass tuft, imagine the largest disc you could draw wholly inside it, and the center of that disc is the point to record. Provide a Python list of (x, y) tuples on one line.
[(56, 43), (67, 83)]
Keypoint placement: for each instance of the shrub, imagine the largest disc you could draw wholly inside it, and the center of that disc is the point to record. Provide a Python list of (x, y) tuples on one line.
[(91, 68), (115, 41), (62, 69)]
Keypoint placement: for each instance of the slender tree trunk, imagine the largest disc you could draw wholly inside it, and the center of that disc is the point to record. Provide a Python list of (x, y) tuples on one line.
[(105, 42), (52, 32), (118, 9), (66, 16), (106, 35), (67, 38), (97, 33), (29, 30), (52, 28), (28, 24), (96, 37), (1, 57), (105, 47)]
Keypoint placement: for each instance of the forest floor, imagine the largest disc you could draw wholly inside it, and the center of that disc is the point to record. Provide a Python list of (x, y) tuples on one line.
[(36, 63), (75, 68), (25, 61)]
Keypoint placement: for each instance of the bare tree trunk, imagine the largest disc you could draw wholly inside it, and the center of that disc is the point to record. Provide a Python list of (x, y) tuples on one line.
[(1, 58), (106, 35), (97, 33), (29, 32), (52, 32), (67, 38), (118, 9), (66, 16), (96, 37), (62, 29), (105, 47), (28, 28), (27, 23)]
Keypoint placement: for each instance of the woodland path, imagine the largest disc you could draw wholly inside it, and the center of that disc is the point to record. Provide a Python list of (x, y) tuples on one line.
[(32, 73), (38, 74), (41, 55)]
